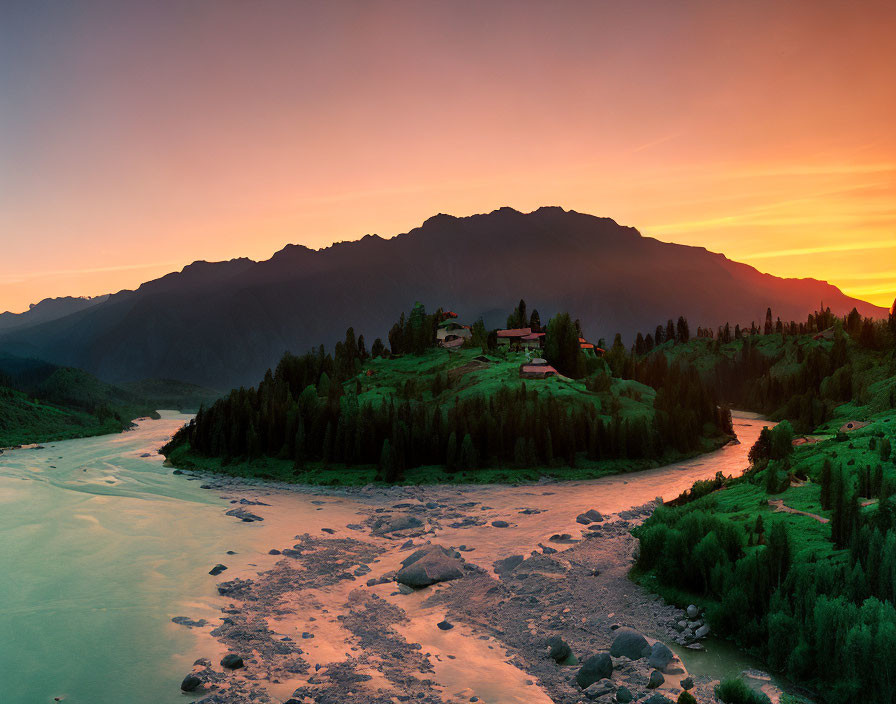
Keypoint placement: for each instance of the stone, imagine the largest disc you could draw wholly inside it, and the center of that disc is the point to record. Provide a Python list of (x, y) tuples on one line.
[(232, 661), (599, 689), (430, 565), (217, 569), (595, 668), (623, 695), (593, 515), (500, 524), (508, 563), (390, 524), (658, 699), (693, 612), (660, 656), (629, 644), (191, 683), (583, 519), (702, 632), (656, 679), (274, 551), (445, 625), (560, 651), (687, 683)]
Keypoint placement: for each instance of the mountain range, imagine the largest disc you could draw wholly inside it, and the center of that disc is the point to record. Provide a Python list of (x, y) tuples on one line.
[(221, 324)]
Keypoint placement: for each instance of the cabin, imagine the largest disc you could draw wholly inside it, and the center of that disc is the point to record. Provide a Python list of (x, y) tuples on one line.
[(514, 336), (537, 369), (451, 333), (532, 341)]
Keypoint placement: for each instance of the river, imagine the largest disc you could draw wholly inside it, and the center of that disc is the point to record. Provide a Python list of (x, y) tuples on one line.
[(102, 545)]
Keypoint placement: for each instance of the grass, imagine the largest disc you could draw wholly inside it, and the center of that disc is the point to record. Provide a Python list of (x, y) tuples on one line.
[(315, 473)]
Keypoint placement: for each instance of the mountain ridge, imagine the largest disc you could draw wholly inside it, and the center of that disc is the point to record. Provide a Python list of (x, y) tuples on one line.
[(224, 323)]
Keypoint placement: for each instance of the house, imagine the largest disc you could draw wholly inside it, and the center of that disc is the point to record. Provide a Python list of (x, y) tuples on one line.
[(537, 371), (514, 336), (450, 331), (533, 340)]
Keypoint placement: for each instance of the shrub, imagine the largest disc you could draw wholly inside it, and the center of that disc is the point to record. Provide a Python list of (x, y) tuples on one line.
[(736, 691), (686, 698)]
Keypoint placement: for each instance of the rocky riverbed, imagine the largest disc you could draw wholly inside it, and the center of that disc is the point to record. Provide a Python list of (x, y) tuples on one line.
[(440, 594)]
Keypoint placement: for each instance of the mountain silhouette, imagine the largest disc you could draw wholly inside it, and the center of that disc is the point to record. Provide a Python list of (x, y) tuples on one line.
[(222, 324)]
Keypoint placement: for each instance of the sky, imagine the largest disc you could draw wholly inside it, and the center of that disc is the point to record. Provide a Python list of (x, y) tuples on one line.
[(136, 138)]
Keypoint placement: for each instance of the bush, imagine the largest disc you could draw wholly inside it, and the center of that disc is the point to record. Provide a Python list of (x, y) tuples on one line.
[(736, 691), (686, 698)]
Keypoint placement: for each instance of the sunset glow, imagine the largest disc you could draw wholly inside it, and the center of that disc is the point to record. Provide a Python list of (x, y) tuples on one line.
[(212, 130)]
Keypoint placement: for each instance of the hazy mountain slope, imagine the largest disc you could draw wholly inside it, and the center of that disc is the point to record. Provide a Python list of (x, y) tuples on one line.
[(47, 309), (222, 324)]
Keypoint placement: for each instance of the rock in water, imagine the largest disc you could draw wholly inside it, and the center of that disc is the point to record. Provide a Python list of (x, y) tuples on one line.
[(232, 661), (217, 569), (583, 519), (190, 683), (693, 611), (445, 625), (593, 515), (687, 683), (597, 667), (430, 565), (390, 524), (500, 524), (702, 632), (629, 644), (660, 656), (656, 679)]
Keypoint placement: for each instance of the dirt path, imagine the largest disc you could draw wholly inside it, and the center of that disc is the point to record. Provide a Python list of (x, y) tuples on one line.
[(781, 508)]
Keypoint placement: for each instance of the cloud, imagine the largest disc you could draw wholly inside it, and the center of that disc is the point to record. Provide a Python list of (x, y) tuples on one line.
[(845, 247), (20, 277)]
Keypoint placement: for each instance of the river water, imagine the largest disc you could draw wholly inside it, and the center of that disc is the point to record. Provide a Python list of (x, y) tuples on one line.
[(101, 545)]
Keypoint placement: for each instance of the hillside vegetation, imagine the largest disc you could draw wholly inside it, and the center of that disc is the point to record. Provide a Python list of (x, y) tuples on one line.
[(415, 412), (796, 558), (41, 402)]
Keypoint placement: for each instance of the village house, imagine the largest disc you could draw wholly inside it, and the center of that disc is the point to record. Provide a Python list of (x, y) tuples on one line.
[(451, 333), (532, 341), (514, 336), (537, 369)]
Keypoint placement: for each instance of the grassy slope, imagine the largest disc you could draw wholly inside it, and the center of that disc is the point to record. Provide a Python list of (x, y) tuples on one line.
[(24, 420), (742, 502), (388, 380)]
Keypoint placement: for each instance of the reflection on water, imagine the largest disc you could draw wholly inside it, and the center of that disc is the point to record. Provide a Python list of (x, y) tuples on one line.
[(101, 546)]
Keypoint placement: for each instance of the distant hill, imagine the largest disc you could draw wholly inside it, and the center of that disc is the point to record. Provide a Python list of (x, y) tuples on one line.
[(222, 324), (47, 309)]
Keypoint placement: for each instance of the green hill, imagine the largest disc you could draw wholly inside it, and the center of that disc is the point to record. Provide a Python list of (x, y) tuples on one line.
[(796, 559), (432, 415)]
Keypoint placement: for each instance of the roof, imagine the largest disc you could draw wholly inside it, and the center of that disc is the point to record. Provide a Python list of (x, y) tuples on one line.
[(534, 336), (586, 346), (582, 339), (537, 369), (515, 332), (450, 323)]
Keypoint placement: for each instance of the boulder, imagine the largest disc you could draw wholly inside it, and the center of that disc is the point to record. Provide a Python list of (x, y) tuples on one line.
[(430, 565), (190, 684), (508, 563), (629, 644), (390, 524), (583, 519), (693, 612), (595, 668), (560, 651), (593, 515), (660, 656), (232, 661), (656, 679), (599, 689), (687, 683), (702, 632), (217, 569), (658, 699), (623, 695), (500, 524), (445, 625)]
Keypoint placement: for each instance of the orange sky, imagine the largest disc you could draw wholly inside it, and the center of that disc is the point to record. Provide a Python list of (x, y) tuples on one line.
[(136, 138)]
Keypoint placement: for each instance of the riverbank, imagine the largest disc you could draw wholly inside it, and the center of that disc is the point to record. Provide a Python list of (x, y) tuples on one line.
[(315, 613)]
